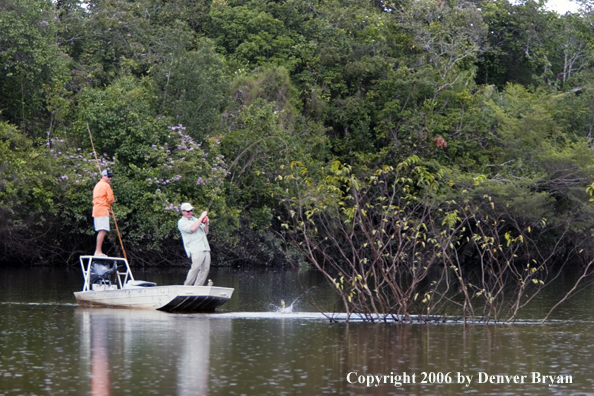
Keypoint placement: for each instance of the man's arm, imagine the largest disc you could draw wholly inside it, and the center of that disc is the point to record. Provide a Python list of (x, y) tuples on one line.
[(110, 196), (197, 224)]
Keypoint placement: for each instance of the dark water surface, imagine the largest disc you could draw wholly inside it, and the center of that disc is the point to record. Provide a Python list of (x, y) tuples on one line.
[(49, 346)]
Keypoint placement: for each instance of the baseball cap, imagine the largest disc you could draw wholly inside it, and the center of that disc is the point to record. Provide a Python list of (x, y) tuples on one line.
[(107, 172), (186, 206)]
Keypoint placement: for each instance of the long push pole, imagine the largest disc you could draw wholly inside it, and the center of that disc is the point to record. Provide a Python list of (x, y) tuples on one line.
[(112, 213)]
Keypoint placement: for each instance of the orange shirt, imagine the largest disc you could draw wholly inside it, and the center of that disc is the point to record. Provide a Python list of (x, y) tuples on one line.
[(102, 199)]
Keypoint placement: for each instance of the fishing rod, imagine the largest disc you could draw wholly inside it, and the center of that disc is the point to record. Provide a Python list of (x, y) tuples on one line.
[(112, 213)]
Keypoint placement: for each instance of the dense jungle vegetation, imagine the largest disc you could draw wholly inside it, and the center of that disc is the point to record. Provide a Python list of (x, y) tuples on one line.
[(295, 122), (418, 152)]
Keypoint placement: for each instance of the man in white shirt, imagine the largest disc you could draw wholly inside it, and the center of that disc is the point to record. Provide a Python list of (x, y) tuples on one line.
[(193, 231)]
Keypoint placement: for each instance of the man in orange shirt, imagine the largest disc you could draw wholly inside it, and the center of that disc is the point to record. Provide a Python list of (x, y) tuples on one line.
[(102, 200)]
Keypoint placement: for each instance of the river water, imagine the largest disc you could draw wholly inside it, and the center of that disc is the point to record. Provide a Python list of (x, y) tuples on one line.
[(49, 346)]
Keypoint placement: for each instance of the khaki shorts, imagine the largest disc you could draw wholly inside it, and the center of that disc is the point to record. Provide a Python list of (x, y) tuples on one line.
[(101, 223)]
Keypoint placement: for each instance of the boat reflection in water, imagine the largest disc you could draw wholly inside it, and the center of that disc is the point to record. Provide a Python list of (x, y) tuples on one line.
[(169, 352), (99, 360)]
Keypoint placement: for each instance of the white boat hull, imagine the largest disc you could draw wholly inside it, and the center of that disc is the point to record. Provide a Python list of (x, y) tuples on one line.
[(108, 282), (165, 298)]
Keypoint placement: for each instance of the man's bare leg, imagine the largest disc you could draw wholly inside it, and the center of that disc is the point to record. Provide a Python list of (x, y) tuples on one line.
[(100, 238)]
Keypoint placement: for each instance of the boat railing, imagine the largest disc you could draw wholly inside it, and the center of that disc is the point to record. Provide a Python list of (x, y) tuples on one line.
[(87, 263)]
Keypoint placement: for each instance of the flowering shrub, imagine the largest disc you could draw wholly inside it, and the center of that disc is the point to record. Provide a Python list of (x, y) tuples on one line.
[(148, 193)]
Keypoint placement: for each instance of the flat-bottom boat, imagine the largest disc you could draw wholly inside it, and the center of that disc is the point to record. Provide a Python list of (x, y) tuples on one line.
[(108, 282)]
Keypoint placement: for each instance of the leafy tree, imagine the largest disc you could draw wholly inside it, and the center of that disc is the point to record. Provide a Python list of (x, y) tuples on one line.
[(109, 39), (536, 156), (518, 38), (27, 209), (193, 86), (33, 66), (450, 37), (263, 133)]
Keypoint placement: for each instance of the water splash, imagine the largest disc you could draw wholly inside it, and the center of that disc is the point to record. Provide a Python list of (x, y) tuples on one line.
[(284, 308)]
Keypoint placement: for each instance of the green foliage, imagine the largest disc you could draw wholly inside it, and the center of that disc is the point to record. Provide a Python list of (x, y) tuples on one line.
[(392, 251), (121, 116), (24, 184), (264, 131), (111, 38), (518, 38), (33, 66), (476, 98), (193, 86), (27, 197)]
